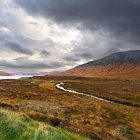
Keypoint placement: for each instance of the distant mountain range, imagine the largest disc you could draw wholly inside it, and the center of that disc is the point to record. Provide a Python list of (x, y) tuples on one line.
[(30, 73), (121, 65), (2, 73)]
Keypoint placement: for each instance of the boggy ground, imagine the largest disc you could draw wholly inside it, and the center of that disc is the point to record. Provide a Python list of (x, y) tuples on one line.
[(121, 91), (42, 101)]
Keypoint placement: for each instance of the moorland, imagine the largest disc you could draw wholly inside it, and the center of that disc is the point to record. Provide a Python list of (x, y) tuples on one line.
[(38, 99)]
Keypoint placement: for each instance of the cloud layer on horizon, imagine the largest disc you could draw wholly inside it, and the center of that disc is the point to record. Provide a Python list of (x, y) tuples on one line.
[(60, 34)]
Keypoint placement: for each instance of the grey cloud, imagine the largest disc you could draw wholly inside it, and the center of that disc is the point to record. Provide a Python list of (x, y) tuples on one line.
[(105, 27), (86, 55), (44, 53), (13, 45), (25, 63), (76, 56), (95, 47), (120, 17), (3, 24), (4, 35), (71, 58)]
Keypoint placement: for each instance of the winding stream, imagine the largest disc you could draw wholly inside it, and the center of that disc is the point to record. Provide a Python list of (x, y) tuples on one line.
[(60, 86)]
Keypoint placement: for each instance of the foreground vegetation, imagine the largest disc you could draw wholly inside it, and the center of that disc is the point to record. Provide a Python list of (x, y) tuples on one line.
[(42, 101), (15, 127)]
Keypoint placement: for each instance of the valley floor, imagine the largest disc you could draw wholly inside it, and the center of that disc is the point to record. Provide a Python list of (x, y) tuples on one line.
[(39, 99)]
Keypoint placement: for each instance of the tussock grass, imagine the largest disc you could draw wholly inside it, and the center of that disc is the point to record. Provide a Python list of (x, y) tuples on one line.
[(17, 127)]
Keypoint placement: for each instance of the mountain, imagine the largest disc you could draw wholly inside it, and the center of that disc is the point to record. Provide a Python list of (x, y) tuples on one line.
[(121, 65), (2, 73), (30, 73)]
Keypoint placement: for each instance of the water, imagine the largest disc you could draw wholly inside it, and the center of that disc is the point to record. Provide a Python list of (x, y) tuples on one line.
[(60, 86), (15, 77)]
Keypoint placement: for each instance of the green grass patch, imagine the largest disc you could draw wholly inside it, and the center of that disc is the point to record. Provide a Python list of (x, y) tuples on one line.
[(127, 131), (17, 127)]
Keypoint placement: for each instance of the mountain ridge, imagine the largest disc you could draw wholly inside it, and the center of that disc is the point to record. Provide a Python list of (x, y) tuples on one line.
[(121, 65), (128, 56)]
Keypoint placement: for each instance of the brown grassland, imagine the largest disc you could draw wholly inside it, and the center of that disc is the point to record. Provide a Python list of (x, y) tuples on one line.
[(39, 99), (123, 91)]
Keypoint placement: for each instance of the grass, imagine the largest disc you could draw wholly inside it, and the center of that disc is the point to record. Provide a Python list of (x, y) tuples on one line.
[(17, 127), (120, 90), (42, 101), (126, 130)]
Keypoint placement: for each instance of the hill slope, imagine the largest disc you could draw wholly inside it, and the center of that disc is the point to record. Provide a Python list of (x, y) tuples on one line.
[(122, 65), (2, 73)]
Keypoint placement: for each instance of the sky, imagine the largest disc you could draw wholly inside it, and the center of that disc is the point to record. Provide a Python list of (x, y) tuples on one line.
[(56, 35)]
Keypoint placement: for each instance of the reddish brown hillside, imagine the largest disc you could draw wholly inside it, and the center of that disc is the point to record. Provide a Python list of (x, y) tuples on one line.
[(124, 65)]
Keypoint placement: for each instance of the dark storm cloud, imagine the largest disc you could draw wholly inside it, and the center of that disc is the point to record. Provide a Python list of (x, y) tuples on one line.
[(71, 58), (64, 33), (25, 63), (44, 53), (76, 56), (85, 55), (13, 45), (120, 17)]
